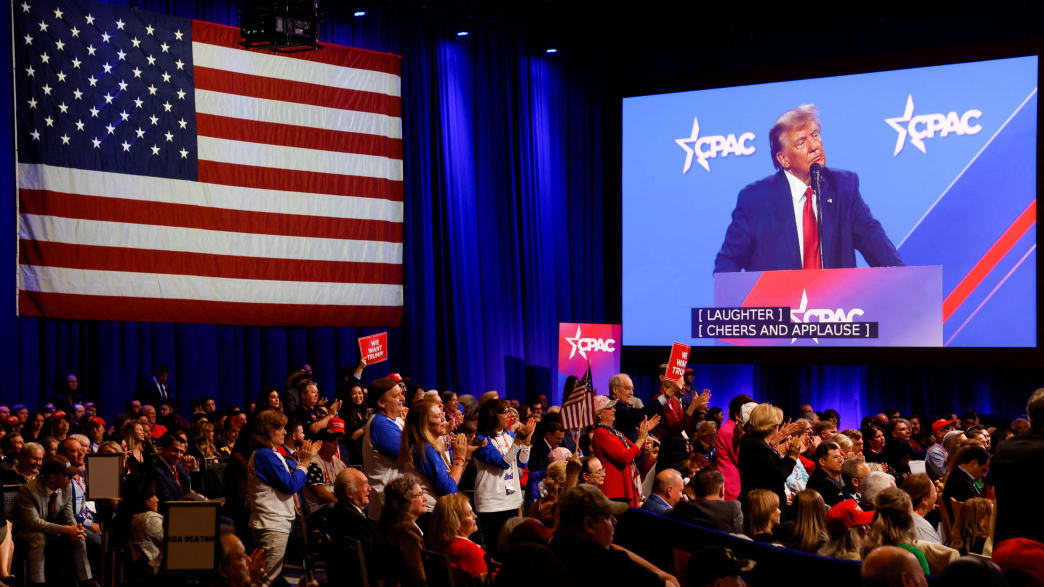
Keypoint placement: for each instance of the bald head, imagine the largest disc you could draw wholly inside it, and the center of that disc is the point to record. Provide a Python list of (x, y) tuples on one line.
[(891, 566), (352, 484), (669, 486)]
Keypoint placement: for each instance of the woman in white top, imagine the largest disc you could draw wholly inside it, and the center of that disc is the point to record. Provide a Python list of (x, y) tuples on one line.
[(272, 481), (146, 526), (498, 493)]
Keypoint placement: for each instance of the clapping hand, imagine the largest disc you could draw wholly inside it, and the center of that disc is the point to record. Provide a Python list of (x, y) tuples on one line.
[(307, 450), (257, 565)]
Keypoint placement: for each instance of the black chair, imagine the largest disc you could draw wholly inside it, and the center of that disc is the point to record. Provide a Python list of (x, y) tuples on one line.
[(214, 477), (347, 567), (437, 569)]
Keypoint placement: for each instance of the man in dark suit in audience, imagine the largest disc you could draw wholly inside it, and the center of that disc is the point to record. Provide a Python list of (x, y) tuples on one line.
[(666, 493), (1017, 475), (349, 520), (540, 456), (172, 478), (972, 464), (710, 509), (155, 390), (826, 479)]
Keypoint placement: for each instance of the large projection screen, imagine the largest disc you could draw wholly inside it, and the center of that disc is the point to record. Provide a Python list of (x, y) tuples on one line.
[(944, 158)]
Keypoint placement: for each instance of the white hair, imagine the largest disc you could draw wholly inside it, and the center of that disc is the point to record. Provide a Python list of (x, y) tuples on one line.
[(875, 483)]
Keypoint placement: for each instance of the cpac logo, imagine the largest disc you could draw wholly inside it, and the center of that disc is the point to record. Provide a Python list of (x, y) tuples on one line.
[(804, 315), (582, 345), (712, 146), (925, 126)]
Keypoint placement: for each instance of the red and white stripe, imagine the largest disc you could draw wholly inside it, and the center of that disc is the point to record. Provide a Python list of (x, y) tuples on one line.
[(297, 217), (578, 410)]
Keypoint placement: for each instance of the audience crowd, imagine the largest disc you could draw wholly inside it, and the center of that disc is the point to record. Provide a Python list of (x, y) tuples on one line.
[(393, 483)]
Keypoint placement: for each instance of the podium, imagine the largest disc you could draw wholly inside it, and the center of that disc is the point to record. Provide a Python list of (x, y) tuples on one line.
[(904, 302)]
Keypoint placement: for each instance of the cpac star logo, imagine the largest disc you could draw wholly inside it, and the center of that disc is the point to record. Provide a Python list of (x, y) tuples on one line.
[(924, 126), (803, 315), (582, 345), (712, 146)]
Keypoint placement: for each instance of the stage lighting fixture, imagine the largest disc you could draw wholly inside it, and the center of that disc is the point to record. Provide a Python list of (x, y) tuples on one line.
[(289, 26), (551, 50), (360, 13), (462, 33)]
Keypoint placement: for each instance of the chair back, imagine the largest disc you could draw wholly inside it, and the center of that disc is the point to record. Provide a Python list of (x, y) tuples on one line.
[(214, 478), (437, 569), (354, 568), (681, 565)]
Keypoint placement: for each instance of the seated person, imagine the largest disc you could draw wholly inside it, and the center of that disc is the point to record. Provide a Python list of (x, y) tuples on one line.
[(399, 544), (348, 518), (710, 509), (584, 542), (968, 468), (43, 511), (452, 521), (761, 515), (146, 526), (30, 457), (666, 493), (318, 495), (827, 478)]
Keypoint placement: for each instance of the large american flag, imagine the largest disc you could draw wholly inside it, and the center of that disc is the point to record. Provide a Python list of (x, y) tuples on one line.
[(578, 408), (165, 173)]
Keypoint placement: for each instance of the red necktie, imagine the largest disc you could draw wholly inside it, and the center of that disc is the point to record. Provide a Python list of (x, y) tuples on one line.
[(810, 233), (50, 506)]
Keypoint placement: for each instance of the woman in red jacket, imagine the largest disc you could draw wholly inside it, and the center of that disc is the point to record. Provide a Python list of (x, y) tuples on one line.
[(617, 453)]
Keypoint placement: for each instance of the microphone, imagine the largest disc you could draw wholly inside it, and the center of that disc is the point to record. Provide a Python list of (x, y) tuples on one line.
[(816, 173)]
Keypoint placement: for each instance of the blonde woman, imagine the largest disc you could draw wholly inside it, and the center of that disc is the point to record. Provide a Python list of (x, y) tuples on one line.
[(973, 527), (136, 445), (762, 464), (809, 528), (423, 452), (452, 521)]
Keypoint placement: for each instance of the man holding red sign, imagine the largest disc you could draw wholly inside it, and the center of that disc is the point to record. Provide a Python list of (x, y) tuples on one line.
[(676, 422)]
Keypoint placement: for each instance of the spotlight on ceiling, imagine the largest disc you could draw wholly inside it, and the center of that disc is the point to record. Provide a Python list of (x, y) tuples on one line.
[(462, 33), (551, 50), (360, 13)]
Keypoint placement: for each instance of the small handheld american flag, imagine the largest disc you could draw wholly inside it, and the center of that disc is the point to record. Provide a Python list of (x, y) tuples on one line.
[(578, 408)]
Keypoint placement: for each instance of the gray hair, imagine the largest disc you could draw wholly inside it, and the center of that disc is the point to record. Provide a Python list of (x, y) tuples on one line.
[(875, 483), (1035, 409), (31, 447), (82, 439), (618, 379), (790, 120)]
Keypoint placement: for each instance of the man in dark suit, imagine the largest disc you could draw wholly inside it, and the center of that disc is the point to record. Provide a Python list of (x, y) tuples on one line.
[(540, 456), (774, 225), (710, 509), (156, 391), (826, 479), (1017, 475), (972, 464), (666, 493), (43, 511), (349, 518), (171, 476)]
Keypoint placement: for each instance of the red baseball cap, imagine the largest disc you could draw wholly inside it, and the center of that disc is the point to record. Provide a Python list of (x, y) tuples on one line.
[(97, 420), (941, 423), (12, 421), (336, 425), (58, 414), (1021, 554), (396, 377), (845, 515)]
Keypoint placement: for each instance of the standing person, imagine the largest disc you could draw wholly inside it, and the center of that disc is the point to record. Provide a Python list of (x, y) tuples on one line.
[(272, 481), (498, 463), (760, 465), (353, 412), (1017, 474), (676, 422), (382, 439), (617, 453), (313, 416), (155, 390), (726, 446), (267, 399), (774, 223), (423, 453)]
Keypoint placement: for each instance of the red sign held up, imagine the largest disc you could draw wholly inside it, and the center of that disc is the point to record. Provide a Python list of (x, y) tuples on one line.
[(374, 348), (678, 362)]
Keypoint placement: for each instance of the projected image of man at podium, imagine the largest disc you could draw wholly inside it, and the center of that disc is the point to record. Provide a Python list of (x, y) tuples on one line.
[(776, 223)]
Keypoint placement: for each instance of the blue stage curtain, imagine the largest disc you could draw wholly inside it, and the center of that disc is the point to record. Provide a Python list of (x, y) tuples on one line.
[(503, 234)]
